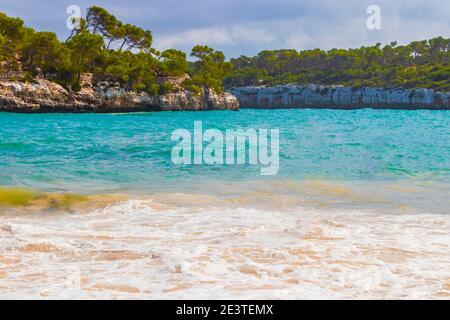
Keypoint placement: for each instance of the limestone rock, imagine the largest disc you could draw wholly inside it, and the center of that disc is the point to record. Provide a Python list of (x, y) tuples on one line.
[(105, 96), (339, 97)]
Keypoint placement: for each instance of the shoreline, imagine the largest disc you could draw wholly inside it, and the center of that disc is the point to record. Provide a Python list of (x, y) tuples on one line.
[(233, 252), (277, 195), (43, 96), (339, 98), (134, 110), (254, 246)]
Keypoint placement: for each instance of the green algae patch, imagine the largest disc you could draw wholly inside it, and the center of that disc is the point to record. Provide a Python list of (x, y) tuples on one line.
[(26, 198), (21, 200), (64, 201), (17, 197)]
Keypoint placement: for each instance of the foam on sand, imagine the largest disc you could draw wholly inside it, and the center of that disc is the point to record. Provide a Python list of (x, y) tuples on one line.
[(144, 249)]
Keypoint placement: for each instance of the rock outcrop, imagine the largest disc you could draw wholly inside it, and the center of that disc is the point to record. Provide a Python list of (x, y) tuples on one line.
[(42, 96), (339, 97)]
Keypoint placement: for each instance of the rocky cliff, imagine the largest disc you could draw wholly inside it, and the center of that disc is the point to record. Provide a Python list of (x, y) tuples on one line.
[(339, 97), (42, 96)]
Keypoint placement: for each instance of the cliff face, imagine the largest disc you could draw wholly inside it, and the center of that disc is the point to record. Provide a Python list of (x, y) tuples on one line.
[(312, 96), (46, 96)]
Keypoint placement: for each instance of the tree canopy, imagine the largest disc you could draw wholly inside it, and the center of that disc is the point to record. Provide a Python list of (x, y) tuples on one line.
[(210, 68), (420, 64), (103, 45)]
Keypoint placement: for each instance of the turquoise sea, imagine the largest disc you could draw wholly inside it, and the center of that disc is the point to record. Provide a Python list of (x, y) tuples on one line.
[(131, 153), (91, 206)]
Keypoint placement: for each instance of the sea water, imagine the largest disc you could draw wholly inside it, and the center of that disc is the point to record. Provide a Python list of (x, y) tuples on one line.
[(358, 208)]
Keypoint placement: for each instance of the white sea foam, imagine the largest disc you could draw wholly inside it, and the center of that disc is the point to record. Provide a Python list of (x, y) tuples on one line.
[(137, 249)]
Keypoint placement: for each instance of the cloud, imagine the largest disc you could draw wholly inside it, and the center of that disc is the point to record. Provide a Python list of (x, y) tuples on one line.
[(229, 36), (210, 36)]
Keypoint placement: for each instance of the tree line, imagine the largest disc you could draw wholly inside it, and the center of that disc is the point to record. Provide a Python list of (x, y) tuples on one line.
[(420, 64), (103, 45)]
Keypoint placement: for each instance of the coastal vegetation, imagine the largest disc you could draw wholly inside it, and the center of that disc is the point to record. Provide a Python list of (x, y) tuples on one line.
[(108, 48), (420, 64)]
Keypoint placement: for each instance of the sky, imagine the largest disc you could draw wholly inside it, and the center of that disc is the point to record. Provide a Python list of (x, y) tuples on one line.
[(246, 27)]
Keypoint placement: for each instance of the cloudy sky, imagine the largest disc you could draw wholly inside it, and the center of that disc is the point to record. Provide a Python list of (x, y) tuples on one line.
[(248, 26)]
